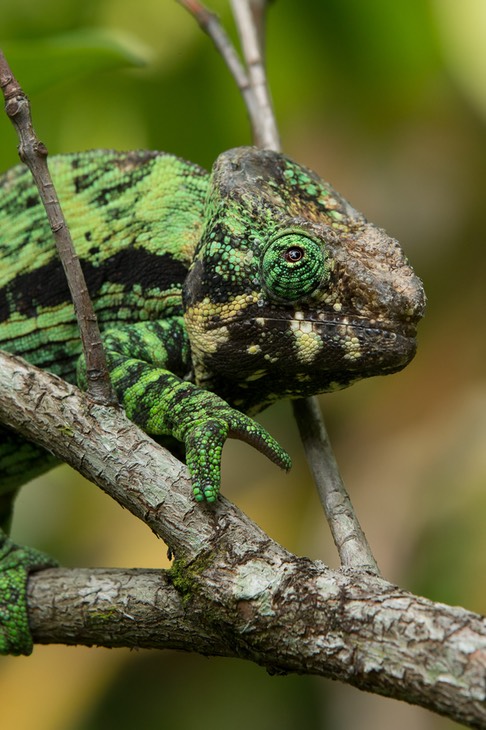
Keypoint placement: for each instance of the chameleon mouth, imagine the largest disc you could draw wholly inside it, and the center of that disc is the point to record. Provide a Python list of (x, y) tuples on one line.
[(364, 323), (349, 344), (346, 326), (308, 351), (272, 354)]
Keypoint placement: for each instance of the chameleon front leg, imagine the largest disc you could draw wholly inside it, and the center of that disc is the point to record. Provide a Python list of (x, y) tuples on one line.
[(146, 362)]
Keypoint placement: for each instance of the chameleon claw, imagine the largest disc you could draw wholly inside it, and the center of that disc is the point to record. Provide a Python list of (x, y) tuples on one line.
[(255, 435), (208, 494)]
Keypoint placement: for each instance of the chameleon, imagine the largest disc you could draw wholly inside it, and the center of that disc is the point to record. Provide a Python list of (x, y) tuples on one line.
[(217, 294)]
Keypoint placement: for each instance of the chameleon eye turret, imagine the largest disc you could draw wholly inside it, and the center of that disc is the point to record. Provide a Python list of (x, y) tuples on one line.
[(293, 266)]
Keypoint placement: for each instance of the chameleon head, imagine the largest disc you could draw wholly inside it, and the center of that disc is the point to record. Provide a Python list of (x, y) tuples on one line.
[(292, 292)]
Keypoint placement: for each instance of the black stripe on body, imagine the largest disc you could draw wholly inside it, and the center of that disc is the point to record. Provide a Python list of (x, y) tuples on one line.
[(46, 286)]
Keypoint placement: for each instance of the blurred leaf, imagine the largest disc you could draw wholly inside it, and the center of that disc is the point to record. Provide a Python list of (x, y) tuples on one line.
[(39, 64), (450, 557), (463, 26), (372, 59)]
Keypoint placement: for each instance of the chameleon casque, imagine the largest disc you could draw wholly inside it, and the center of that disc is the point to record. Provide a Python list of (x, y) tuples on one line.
[(217, 294)]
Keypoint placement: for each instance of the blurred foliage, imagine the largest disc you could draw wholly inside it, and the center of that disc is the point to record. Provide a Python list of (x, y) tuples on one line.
[(388, 101), (217, 700), (45, 62)]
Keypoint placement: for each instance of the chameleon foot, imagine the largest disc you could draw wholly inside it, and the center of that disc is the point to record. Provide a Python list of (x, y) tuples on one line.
[(16, 562), (204, 444)]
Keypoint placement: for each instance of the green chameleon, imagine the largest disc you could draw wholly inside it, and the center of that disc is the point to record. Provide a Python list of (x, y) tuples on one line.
[(217, 294)]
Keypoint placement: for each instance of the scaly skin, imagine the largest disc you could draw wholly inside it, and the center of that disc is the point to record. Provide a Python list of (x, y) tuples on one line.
[(216, 294), (16, 563)]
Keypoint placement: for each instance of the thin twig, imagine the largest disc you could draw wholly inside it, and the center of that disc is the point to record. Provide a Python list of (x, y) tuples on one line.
[(265, 131), (210, 24), (349, 538), (259, 14), (34, 154)]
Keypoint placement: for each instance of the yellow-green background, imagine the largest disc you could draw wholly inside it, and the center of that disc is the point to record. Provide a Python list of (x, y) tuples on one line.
[(387, 100)]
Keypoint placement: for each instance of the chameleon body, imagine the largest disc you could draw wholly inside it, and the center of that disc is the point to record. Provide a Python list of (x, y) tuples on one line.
[(217, 294)]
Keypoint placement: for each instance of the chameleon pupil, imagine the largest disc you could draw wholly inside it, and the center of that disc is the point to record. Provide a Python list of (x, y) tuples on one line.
[(293, 254)]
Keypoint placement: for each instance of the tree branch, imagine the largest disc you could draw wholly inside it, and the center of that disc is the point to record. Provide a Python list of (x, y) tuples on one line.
[(349, 538), (115, 608), (358, 629), (242, 594)]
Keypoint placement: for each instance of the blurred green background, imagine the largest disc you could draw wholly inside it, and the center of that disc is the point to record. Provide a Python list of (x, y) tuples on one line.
[(388, 102)]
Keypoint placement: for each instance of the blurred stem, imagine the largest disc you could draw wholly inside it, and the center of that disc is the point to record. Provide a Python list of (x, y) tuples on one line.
[(250, 23)]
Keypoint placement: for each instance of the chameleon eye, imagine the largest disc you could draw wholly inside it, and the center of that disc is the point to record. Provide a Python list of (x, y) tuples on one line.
[(293, 265), (293, 254)]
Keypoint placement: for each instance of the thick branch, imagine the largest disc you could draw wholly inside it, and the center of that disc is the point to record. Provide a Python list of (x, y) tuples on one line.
[(308, 619), (114, 608), (242, 592)]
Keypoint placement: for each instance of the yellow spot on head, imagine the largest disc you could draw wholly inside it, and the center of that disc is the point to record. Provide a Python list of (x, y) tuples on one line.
[(207, 342), (253, 349), (307, 342), (352, 348)]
